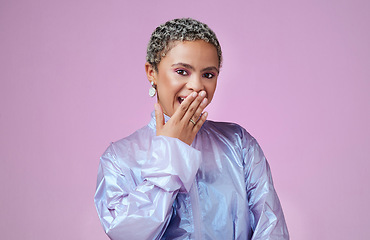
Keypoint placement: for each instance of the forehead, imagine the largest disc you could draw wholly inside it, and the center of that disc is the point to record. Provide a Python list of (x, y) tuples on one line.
[(196, 52)]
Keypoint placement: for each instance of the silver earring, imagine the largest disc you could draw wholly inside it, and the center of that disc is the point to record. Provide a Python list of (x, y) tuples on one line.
[(152, 90)]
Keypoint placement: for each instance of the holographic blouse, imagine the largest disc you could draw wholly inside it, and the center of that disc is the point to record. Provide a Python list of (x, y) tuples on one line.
[(157, 187)]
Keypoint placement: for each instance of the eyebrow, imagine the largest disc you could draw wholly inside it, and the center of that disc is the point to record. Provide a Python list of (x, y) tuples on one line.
[(192, 68)]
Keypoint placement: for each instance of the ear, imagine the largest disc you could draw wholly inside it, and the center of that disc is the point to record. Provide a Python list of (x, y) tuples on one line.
[(151, 74)]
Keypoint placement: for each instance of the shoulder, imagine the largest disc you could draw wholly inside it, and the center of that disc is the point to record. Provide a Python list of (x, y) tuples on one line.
[(237, 138), (229, 130), (126, 148)]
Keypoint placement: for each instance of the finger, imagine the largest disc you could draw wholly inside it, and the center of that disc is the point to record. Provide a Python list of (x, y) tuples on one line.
[(159, 118), (194, 106), (180, 111), (200, 122), (199, 110)]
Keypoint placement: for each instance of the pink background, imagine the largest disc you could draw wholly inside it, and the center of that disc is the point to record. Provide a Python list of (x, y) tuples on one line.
[(296, 75)]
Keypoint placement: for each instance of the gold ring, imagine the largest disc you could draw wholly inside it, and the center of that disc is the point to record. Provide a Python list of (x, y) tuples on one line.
[(192, 121)]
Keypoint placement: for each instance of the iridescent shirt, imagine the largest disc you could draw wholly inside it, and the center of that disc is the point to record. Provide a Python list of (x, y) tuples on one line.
[(157, 187)]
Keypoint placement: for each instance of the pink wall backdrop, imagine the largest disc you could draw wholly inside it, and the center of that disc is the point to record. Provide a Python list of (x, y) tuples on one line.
[(296, 75)]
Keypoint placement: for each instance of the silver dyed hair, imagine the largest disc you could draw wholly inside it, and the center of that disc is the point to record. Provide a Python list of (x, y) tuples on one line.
[(182, 29)]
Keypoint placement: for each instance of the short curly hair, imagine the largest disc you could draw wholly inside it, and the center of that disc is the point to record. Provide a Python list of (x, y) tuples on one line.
[(181, 29)]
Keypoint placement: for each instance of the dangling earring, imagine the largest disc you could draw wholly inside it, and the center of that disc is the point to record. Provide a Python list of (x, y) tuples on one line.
[(152, 90)]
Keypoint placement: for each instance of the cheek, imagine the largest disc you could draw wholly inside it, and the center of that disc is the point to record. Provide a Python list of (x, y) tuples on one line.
[(166, 85), (172, 83), (176, 87), (211, 91)]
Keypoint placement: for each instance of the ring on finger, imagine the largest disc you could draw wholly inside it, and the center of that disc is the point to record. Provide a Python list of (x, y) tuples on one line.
[(192, 121)]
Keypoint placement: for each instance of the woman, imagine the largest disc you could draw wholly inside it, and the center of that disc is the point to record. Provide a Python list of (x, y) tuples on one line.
[(182, 177)]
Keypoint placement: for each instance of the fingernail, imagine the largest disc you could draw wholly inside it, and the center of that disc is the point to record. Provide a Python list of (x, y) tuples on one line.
[(204, 101), (205, 114), (202, 93), (194, 94)]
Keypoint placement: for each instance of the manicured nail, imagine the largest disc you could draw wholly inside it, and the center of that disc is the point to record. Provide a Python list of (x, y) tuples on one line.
[(202, 94), (205, 114), (204, 101), (194, 94)]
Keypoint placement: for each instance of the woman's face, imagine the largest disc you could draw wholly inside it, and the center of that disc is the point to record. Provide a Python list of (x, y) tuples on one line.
[(189, 66)]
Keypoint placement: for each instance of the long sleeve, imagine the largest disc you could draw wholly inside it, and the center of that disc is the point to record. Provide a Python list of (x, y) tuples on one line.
[(267, 218), (136, 186)]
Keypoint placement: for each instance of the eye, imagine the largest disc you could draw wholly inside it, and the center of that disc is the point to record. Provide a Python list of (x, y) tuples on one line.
[(208, 75), (182, 72)]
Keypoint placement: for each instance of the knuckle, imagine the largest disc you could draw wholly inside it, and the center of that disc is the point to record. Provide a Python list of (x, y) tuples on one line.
[(183, 107), (191, 108), (196, 128)]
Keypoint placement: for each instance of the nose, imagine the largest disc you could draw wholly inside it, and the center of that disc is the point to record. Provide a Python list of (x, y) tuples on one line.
[(195, 83)]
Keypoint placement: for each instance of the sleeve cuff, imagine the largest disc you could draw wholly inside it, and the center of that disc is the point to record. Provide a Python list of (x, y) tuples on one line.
[(172, 164)]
